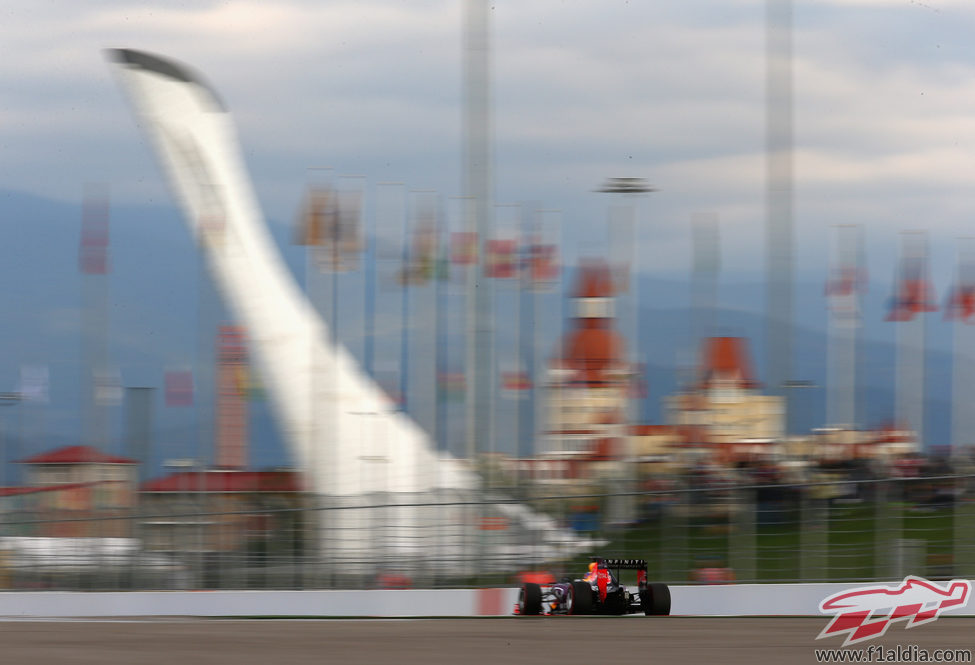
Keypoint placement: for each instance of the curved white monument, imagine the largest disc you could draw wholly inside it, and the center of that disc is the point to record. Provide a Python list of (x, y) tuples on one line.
[(342, 430), (328, 409)]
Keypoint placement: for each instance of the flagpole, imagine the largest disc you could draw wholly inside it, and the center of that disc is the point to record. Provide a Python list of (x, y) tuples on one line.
[(502, 264), (528, 364), (357, 226), (843, 287), (477, 188), (404, 340), (369, 317), (956, 358), (541, 419), (525, 264), (959, 310), (440, 333), (910, 306), (519, 337), (94, 264)]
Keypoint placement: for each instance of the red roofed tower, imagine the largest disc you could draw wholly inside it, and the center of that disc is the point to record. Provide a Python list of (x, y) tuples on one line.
[(725, 404), (725, 363), (589, 378)]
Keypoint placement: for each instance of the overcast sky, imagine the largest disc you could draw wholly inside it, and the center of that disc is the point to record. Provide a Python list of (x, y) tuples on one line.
[(672, 91)]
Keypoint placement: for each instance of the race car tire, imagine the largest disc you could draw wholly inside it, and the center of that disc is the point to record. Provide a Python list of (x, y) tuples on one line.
[(580, 594), (655, 600), (530, 599)]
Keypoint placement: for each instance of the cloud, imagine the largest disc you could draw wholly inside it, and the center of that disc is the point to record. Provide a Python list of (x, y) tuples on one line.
[(581, 91)]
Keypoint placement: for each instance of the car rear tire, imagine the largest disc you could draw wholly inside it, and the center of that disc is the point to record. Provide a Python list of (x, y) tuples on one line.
[(655, 600), (580, 598), (530, 599)]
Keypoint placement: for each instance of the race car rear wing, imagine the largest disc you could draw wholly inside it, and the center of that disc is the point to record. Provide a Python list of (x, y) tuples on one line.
[(639, 565), (624, 564)]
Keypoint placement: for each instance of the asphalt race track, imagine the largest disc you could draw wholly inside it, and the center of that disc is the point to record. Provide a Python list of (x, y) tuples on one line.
[(567, 640)]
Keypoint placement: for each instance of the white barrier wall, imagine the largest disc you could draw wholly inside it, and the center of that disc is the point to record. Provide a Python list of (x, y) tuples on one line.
[(717, 600), (754, 599), (400, 603)]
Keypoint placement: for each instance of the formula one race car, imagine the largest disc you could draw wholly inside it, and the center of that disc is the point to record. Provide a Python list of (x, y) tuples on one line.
[(598, 592)]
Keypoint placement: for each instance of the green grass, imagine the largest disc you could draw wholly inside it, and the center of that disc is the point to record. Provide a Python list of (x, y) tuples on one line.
[(860, 538)]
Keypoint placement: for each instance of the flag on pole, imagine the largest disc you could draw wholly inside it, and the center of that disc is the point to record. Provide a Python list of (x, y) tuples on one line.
[(452, 385), (914, 293), (516, 383), (330, 222), (500, 261), (960, 305), (422, 261), (540, 263), (316, 221), (843, 289), (463, 248), (179, 388)]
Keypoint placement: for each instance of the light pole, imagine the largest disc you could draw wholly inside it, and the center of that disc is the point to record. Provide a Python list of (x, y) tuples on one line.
[(629, 188)]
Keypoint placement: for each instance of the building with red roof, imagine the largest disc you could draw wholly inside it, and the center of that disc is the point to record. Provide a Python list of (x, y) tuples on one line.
[(224, 511), (726, 363), (79, 464), (731, 419), (74, 491), (81, 481), (76, 455)]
